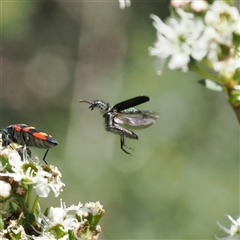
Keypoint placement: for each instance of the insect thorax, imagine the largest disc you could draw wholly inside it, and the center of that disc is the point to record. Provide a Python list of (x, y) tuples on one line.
[(104, 107)]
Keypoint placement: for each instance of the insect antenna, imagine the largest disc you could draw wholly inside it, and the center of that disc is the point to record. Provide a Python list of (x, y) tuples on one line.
[(91, 104), (84, 101)]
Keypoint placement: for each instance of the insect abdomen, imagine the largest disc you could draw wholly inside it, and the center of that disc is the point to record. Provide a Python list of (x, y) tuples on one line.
[(33, 141)]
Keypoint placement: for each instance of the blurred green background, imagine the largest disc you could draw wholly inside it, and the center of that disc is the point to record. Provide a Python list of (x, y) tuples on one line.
[(183, 174)]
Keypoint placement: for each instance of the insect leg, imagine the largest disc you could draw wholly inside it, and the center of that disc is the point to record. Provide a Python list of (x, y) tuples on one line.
[(111, 126), (123, 145), (122, 132), (45, 156)]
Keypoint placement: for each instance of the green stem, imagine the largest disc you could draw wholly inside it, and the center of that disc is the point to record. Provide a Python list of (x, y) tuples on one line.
[(29, 192), (35, 203), (195, 67)]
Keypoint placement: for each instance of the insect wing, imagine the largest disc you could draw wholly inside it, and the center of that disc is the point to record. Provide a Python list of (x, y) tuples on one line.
[(130, 103), (141, 119)]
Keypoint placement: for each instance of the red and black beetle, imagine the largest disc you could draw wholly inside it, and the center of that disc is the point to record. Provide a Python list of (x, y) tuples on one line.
[(27, 136)]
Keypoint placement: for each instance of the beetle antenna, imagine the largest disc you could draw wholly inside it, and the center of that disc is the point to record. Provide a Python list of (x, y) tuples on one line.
[(85, 101), (91, 104)]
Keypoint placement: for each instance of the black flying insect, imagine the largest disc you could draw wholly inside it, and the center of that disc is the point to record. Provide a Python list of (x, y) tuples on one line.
[(123, 113)]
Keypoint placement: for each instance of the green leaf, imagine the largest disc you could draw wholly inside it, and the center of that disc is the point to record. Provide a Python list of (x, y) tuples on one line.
[(212, 85)]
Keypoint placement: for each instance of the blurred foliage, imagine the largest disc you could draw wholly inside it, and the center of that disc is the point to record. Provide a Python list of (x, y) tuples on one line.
[(183, 174)]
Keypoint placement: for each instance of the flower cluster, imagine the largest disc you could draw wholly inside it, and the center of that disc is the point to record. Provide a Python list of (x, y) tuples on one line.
[(21, 217), (74, 222), (202, 36), (30, 173), (234, 231)]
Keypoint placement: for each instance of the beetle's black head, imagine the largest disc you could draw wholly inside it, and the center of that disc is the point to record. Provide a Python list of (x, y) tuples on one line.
[(6, 136)]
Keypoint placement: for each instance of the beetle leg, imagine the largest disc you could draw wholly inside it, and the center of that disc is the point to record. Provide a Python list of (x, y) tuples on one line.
[(123, 145), (111, 126), (45, 156)]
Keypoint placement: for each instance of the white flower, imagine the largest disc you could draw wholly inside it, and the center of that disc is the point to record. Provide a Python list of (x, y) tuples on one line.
[(96, 208), (187, 35), (228, 66), (176, 38), (124, 3), (14, 229), (28, 173), (206, 46), (62, 217), (58, 216), (224, 19), (17, 167), (23, 169), (41, 188), (179, 3), (43, 178), (199, 6), (234, 231), (49, 178), (49, 236), (45, 235), (5, 189), (68, 219), (221, 22)]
